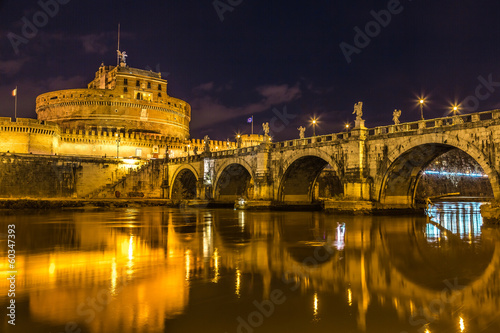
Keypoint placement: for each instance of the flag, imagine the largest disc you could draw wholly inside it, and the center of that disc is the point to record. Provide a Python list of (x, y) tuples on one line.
[(249, 120), (14, 92)]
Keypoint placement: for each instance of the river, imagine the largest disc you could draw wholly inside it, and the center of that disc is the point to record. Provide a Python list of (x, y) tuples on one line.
[(156, 269)]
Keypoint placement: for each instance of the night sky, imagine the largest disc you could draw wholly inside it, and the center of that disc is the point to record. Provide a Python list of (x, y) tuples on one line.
[(278, 60)]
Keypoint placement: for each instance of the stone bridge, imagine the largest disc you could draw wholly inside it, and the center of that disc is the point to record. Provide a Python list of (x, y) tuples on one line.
[(380, 165)]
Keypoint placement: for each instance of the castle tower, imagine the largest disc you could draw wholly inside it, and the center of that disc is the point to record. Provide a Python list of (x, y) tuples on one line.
[(119, 98)]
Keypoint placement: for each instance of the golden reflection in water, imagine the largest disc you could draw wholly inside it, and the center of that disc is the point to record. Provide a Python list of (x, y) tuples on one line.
[(114, 277), (187, 257), (158, 289), (52, 268), (315, 308), (216, 266), (207, 240), (130, 263), (241, 219), (238, 283)]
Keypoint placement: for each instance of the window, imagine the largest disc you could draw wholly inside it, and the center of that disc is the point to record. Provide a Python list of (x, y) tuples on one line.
[(125, 89), (125, 81), (149, 85), (139, 96), (159, 94), (159, 87), (137, 83)]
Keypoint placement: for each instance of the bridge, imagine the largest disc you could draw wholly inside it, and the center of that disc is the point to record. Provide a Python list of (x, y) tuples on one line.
[(380, 166)]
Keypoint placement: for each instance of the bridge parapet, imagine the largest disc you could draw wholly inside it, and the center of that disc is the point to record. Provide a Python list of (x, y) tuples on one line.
[(435, 123)]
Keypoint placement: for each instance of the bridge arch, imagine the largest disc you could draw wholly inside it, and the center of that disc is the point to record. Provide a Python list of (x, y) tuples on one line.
[(184, 182), (300, 173), (233, 180), (397, 185)]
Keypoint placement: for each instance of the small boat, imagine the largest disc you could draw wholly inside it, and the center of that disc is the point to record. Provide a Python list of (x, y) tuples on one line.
[(240, 204)]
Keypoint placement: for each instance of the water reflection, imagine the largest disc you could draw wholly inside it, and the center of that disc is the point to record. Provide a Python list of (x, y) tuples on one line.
[(167, 270)]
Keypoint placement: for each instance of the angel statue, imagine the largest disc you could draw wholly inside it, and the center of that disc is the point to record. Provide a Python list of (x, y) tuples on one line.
[(265, 127), (301, 131), (358, 110), (123, 56), (395, 116)]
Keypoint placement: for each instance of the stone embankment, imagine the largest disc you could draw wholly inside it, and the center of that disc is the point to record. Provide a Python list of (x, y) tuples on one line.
[(491, 213), (21, 204)]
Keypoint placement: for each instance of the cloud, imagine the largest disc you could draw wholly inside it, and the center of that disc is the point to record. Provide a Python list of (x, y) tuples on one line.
[(12, 67), (208, 110), (204, 87), (62, 83), (96, 43)]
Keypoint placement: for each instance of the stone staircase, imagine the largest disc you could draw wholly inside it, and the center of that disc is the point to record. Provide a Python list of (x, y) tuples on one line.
[(144, 182)]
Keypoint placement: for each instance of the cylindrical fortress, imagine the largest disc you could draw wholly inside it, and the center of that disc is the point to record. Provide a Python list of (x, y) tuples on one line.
[(122, 98)]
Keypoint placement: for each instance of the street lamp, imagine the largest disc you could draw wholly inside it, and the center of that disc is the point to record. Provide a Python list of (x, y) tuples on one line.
[(421, 101), (314, 122), (238, 140), (455, 110), (347, 126), (118, 139)]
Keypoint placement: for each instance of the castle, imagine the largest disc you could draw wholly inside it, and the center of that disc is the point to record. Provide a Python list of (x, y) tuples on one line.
[(124, 112)]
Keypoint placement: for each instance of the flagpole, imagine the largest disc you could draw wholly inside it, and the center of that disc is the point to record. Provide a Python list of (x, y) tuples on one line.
[(252, 124), (15, 107), (118, 50)]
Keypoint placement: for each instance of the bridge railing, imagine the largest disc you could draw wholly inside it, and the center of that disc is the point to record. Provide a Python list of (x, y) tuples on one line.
[(435, 123), (380, 130)]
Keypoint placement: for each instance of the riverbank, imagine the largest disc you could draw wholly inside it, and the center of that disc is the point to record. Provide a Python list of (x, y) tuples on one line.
[(28, 203)]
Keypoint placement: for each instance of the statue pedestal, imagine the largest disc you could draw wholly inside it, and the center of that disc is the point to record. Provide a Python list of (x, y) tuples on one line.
[(359, 123)]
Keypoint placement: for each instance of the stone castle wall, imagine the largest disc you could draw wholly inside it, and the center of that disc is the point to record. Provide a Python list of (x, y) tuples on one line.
[(28, 136), (36, 176)]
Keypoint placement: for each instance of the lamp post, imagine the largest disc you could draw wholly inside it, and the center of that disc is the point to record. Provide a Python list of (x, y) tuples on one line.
[(421, 108), (347, 126), (118, 139), (238, 140), (314, 122)]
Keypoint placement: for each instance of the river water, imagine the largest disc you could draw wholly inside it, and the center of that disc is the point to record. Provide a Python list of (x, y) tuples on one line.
[(219, 270)]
